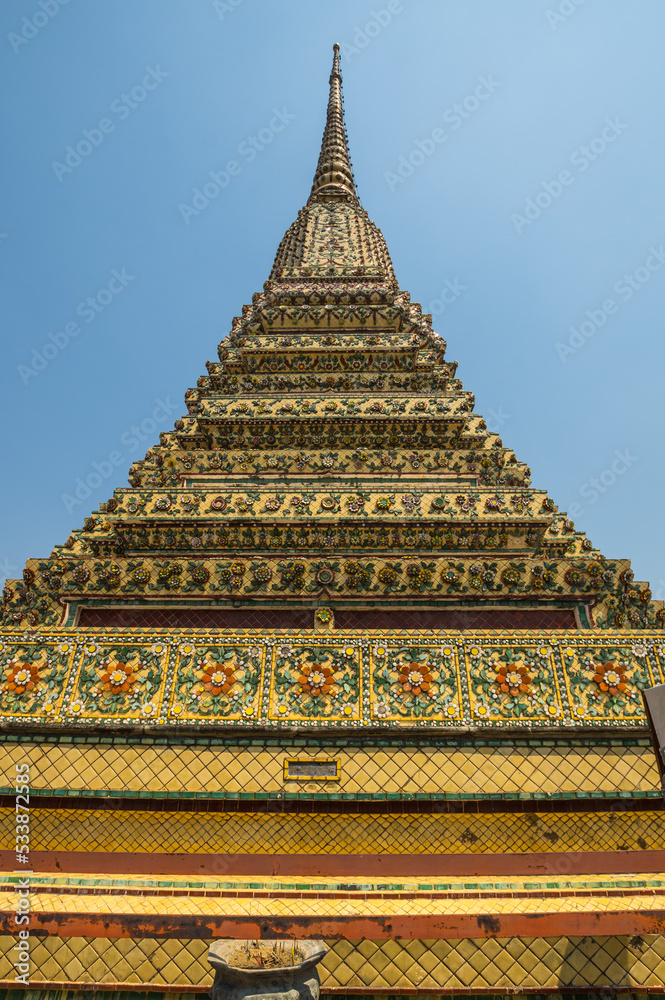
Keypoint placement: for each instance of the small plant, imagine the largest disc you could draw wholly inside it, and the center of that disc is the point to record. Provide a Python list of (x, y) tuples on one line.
[(266, 955)]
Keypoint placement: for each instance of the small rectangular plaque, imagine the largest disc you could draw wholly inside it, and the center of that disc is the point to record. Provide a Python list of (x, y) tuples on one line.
[(311, 769)]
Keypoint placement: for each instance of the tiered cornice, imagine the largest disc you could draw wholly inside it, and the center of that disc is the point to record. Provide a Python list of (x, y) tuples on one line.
[(331, 458)]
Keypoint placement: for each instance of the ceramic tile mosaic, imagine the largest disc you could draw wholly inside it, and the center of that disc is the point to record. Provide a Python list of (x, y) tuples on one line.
[(506, 769), (464, 887), (495, 964), (488, 680), (330, 833), (329, 907), (331, 463)]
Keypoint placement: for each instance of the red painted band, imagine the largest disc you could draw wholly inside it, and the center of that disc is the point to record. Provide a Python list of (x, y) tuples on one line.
[(384, 866), (376, 928)]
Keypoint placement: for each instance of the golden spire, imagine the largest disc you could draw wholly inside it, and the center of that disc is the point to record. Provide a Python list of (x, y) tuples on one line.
[(334, 176)]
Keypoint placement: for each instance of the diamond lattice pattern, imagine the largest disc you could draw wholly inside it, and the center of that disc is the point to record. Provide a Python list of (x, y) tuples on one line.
[(147, 831), (467, 964), (405, 770)]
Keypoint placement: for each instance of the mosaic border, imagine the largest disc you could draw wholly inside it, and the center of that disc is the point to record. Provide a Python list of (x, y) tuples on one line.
[(330, 682)]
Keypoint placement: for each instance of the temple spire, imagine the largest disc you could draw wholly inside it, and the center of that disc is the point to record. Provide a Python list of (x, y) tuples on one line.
[(334, 176)]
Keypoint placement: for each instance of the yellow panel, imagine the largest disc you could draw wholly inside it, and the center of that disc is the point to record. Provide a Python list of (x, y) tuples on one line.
[(329, 906), (429, 770), (474, 964), (336, 833)]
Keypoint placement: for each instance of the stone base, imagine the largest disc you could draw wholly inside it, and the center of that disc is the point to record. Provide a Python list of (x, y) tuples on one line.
[(304, 986)]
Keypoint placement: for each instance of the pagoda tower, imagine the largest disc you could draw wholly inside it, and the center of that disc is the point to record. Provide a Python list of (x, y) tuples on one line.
[(330, 667)]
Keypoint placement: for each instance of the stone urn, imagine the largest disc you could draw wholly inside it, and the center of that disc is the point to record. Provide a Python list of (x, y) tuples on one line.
[(287, 982)]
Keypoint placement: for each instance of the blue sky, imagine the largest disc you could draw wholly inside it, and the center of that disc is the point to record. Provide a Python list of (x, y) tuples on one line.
[(529, 136)]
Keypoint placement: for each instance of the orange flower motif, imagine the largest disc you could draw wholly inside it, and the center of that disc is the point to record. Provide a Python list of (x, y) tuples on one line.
[(513, 680), (315, 680), (218, 681), (120, 678), (610, 679), (21, 678), (414, 677)]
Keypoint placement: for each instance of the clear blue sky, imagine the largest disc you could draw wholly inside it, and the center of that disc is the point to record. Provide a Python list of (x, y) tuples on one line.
[(562, 119)]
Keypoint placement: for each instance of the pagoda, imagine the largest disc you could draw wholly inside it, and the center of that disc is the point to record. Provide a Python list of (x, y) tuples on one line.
[(331, 668)]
